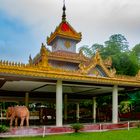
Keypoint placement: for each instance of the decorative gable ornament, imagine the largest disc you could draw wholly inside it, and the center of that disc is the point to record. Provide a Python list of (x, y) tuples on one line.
[(97, 67)]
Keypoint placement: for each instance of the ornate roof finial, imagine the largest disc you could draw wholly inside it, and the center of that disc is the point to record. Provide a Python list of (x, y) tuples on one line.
[(64, 14)]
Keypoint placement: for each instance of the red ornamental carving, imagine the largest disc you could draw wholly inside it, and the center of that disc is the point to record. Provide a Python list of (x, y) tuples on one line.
[(65, 27)]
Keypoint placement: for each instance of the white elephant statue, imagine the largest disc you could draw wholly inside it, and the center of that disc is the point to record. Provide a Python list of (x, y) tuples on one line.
[(14, 113)]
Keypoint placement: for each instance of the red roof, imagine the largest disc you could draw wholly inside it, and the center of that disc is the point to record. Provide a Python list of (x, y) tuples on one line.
[(64, 30)]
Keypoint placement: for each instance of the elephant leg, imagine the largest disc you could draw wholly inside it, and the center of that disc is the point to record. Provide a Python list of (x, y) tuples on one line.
[(11, 121), (22, 121), (27, 121), (16, 121)]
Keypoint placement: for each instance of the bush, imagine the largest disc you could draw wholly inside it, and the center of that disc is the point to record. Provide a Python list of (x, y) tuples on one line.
[(3, 128), (77, 127)]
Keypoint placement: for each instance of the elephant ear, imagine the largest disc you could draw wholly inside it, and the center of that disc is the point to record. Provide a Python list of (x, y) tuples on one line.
[(10, 110)]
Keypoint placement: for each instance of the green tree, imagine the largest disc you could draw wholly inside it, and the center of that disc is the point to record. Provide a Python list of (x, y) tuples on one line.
[(90, 51), (86, 51), (120, 41), (125, 63), (134, 98), (116, 44), (136, 51)]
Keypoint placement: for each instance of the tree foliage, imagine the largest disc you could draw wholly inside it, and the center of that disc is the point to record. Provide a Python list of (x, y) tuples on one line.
[(136, 52), (125, 63), (90, 51), (119, 42)]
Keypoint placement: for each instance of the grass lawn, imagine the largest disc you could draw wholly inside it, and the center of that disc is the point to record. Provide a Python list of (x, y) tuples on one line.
[(132, 134)]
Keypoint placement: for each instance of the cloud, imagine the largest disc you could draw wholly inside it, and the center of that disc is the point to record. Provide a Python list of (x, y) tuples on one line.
[(31, 12), (15, 39), (97, 20)]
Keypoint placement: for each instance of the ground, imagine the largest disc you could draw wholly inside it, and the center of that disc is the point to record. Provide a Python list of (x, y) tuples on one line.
[(132, 134)]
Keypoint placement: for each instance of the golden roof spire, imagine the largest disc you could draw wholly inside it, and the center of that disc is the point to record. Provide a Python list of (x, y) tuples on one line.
[(64, 14), (64, 30)]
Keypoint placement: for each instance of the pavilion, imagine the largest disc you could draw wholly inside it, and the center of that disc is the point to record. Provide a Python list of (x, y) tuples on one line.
[(63, 75)]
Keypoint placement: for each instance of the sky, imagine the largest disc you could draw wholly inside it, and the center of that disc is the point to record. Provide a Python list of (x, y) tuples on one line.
[(25, 24)]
